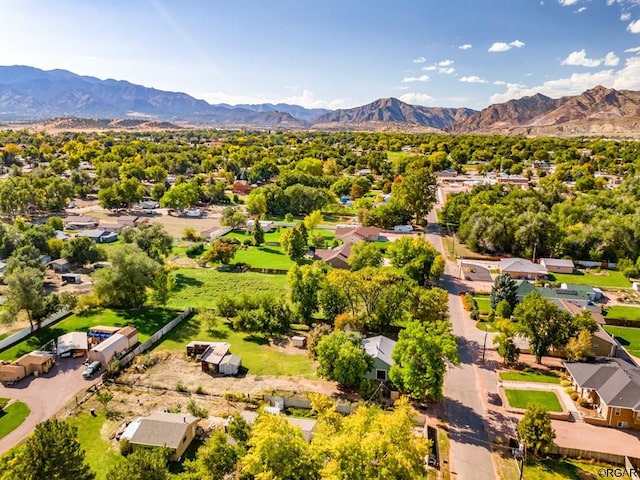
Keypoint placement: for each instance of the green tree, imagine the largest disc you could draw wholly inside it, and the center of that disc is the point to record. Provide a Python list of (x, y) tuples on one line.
[(417, 258), (154, 241), (53, 451), (332, 300), (421, 356), (293, 243), (428, 305), (26, 292), (233, 217), (342, 358), (416, 191), (215, 459), (365, 254), (535, 430), (504, 288), (221, 252), (124, 284), (578, 347), (239, 429), (104, 398), (256, 205), (542, 323), (312, 220), (81, 251), (257, 233), (142, 464), (503, 309), (277, 450), (181, 196), (304, 283), (507, 348)]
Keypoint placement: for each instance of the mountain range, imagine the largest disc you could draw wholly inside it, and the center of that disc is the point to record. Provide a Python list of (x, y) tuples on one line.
[(29, 94)]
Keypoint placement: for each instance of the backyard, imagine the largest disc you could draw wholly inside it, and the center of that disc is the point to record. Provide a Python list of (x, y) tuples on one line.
[(146, 321), (623, 312), (628, 337), (200, 287), (11, 416), (603, 279), (530, 376), (259, 355), (550, 468), (523, 398)]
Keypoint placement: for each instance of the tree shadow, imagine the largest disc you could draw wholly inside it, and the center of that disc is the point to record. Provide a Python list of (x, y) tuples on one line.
[(186, 331), (257, 339), (466, 425), (271, 251), (183, 281), (218, 333)]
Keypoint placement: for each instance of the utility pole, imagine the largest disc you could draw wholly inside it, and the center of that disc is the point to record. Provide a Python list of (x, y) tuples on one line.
[(535, 245), (484, 346)]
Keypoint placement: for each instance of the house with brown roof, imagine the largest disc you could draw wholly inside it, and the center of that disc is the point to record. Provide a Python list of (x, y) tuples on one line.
[(241, 187), (175, 431), (337, 257), (131, 221), (351, 235), (613, 386)]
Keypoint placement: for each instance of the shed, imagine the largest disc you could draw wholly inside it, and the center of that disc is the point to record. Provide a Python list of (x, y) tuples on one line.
[(75, 278), (213, 355), (106, 351), (299, 341), (99, 333), (230, 365), (197, 347), (61, 265), (131, 333), (33, 362), (11, 373), (72, 344)]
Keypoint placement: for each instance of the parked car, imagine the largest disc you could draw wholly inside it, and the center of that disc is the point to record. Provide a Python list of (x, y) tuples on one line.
[(91, 369)]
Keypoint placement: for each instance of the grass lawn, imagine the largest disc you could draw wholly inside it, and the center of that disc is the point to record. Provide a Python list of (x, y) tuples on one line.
[(257, 356), (485, 326), (608, 278), (623, 312), (461, 250), (12, 416), (264, 257), (98, 450), (555, 468), (523, 398), (627, 336), (538, 377), (483, 304), (146, 321), (200, 287)]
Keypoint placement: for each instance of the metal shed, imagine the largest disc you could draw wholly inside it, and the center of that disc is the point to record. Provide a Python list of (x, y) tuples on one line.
[(230, 365), (72, 344), (106, 351)]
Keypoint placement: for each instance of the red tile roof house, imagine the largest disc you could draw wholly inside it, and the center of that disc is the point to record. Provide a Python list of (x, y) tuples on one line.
[(352, 235)]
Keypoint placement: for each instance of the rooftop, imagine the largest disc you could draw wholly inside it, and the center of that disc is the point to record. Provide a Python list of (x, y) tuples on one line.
[(159, 429), (380, 347)]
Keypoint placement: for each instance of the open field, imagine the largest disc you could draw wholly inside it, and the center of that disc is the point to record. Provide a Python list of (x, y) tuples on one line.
[(461, 250), (259, 356), (12, 416), (623, 312), (605, 279), (628, 337), (538, 377), (92, 435), (200, 287), (523, 398), (146, 321)]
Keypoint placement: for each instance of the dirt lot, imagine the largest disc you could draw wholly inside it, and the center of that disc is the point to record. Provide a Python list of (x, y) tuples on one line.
[(175, 369)]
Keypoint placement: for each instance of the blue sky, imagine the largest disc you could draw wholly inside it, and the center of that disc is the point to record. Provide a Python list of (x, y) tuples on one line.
[(334, 53)]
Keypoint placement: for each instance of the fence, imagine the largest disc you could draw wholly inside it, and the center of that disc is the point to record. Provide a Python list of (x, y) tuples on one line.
[(155, 338), (597, 456), (22, 334), (632, 468)]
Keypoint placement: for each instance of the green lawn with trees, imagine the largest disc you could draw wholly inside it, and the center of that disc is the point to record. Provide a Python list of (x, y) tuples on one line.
[(523, 398), (538, 376), (12, 416), (99, 452), (604, 279), (146, 321), (628, 337), (200, 287)]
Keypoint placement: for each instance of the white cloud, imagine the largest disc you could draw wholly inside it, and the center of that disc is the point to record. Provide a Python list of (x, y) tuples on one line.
[(503, 46), (465, 46), (419, 60), (429, 68), (416, 98), (634, 27), (627, 78), (421, 78), (445, 63), (633, 50), (567, 3), (581, 9), (579, 58), (446, 70), (499, 82), (473, 79), (625, 17), (611, 59)]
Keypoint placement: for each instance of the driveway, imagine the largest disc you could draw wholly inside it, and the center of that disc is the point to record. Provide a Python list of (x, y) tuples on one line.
[(45, 396)]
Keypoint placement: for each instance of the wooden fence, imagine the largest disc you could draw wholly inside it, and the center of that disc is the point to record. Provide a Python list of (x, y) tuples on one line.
[(597, 456)]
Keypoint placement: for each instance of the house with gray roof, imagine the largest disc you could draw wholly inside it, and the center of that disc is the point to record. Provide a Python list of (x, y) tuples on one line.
[(557, 265), (521, 268), (613, 386), (175, 431), (379, 348)]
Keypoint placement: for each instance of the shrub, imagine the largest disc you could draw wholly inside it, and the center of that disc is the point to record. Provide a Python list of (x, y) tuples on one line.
[(190, 234), (147, 360), (226, 306), (195, 250), (565, 383), (475, 314), (181, 387), (583, 402), (503, 309), (574, 396), (569, 389), (200, 390), (368, 389), (247, 242), (196, 410), (87, 304), (126, 447)]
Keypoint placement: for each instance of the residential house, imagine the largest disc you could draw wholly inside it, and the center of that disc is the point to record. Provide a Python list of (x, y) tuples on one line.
[(520, 268), (613, 386), (307, 425), (353, 235), (266, 225), (557, 265), (80, 222), (337, 257), (582, 296), (175, 431), (34, 363), (132, 221), (99, 236), (241, 187), (60, 235), (379, 348), (74, 278), (111, 227)]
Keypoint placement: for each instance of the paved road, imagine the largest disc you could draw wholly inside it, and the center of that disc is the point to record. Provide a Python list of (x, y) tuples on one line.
[(470, 455), (45, 396)]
